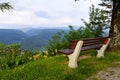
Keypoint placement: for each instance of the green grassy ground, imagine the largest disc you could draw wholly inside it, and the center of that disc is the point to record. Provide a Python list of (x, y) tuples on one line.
[(55, 68)]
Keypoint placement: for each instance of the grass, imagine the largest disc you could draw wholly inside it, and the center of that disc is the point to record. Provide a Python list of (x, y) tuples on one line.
[(55, 68)]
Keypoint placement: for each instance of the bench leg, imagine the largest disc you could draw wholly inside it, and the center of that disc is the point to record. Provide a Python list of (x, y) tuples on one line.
[(102, 50), (74, 56)]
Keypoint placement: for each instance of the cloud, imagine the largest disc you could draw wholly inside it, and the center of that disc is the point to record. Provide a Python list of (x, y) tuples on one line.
[(42, 14), (46, 12), (24, 18)]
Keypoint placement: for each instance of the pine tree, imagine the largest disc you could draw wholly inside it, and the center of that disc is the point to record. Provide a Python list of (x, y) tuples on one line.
[(97, 21)]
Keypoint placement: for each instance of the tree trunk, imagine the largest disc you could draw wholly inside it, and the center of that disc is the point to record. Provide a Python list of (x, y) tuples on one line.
[(115, 28)]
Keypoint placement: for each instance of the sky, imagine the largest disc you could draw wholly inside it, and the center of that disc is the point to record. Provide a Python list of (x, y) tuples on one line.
[(45, 13)]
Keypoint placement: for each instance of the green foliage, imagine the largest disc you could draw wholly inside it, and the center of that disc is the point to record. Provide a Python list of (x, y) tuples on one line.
[(5, 6), (107, 9), (11, 56), (97, 21), (80, 33), (87, 33), (107, 4), (2, 45), (55, 68), (56, 43), (74, 34)]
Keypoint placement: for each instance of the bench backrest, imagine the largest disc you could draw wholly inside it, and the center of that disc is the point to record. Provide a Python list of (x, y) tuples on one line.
[(91, 43)]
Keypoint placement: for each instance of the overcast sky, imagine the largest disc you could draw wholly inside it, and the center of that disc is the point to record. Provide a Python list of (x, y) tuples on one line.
[(45, 13)]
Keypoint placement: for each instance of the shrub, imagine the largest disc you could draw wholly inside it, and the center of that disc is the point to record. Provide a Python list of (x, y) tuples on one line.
[(11, 56), (56, 43)]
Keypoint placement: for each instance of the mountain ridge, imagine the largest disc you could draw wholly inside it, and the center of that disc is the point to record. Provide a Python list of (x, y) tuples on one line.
[(10, 36)]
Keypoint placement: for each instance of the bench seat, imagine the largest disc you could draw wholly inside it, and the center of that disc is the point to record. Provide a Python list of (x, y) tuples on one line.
[(76, 46), (70, 51)]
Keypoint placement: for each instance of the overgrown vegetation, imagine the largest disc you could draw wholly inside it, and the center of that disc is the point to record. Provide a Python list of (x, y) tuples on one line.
[(12, 56), (55, 68)]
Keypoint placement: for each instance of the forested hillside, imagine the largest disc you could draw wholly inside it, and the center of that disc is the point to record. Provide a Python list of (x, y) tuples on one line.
[(34, 39), (39, 39), (10, 36)]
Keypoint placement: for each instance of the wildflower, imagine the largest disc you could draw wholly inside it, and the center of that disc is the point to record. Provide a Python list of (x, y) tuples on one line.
[(41, 55), (46, 53), (53, 53), (36, 57), (45, 56), (56, 50)]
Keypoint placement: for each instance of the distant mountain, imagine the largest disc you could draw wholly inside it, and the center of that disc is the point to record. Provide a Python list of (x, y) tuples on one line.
[(33, 32), (39, 40), (33, 40), (10, 36)]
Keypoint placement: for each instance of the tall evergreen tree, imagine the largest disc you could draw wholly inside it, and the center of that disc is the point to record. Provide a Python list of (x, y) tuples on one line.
[(97, 21)]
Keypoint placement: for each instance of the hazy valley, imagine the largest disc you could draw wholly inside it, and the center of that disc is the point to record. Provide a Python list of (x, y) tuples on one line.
[(32, 39)]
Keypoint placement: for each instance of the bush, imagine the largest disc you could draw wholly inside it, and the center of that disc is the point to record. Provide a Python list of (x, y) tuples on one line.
[(56, 43), (80, 33), (11, 56)]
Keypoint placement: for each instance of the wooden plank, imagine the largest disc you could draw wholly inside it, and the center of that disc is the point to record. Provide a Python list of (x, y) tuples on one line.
[(92, 43), (66, 51), (94, 47)]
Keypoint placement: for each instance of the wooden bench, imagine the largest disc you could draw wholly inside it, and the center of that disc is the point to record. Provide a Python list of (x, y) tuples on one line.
[(76, 46)]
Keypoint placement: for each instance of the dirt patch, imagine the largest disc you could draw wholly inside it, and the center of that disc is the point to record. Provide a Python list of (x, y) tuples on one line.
[(84, 57), (112, 73)]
